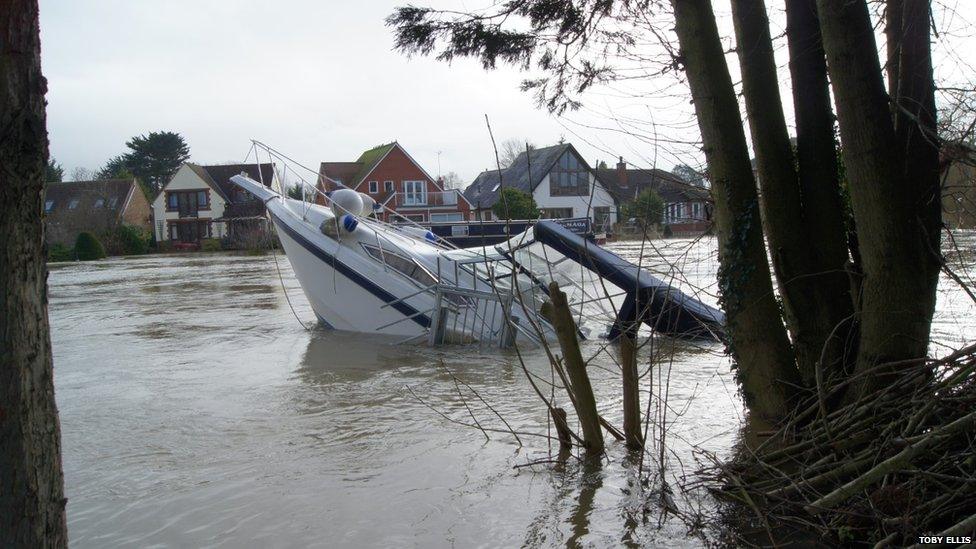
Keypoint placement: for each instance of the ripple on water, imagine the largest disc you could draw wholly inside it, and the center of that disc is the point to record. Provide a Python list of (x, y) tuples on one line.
[(197, 412)]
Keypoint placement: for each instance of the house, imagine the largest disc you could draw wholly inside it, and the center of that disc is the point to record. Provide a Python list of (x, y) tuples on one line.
[(562, 184), (97, 207), (687, 207), (200, 202), (391, 177)]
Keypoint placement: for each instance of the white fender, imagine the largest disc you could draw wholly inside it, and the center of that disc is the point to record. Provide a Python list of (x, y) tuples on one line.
[(346, 201)]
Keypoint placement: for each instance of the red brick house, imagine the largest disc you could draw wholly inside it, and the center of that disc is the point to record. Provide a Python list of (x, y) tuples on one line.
[(392, 177)]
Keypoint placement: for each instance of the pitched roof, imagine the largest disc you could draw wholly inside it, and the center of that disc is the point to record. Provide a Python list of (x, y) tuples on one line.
[(352, 173), (218, 176), (340, 171), (102, 198), (670, 187), (525, 174)]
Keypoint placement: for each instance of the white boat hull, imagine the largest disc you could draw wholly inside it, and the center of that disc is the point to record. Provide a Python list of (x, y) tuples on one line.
[(335, 289)]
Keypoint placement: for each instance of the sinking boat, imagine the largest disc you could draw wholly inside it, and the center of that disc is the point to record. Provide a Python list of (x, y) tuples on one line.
[(361, 274)]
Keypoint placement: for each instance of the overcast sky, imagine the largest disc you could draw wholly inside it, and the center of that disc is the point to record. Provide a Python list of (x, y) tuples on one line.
[(317, 79)]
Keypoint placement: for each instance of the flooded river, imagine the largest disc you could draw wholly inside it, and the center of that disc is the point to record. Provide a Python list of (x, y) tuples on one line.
[(197, 411)]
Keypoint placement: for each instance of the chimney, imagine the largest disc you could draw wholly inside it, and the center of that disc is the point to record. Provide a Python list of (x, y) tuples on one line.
[(622, 173)]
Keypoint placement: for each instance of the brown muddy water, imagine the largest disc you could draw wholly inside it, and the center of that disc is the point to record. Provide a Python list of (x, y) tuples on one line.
[(196, 411)]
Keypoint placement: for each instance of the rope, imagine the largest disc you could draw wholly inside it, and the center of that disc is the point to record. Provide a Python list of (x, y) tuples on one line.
[(281, 279)]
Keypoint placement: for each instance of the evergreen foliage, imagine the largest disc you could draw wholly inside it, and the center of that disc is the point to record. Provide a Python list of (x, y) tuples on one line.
[(154, 158), (134, 240), (88, 248), (54, 173), (515, 204), (647, 208)]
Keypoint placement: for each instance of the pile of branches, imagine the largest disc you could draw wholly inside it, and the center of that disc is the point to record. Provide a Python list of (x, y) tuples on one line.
[(895, 465)]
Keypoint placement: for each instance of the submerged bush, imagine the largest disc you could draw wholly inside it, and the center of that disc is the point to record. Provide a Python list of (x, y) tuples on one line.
[(59, 252), (87, 247), (133, 240), (210, 245)]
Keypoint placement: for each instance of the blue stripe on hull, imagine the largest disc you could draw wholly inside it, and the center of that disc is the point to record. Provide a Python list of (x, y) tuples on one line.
[(351, 274)]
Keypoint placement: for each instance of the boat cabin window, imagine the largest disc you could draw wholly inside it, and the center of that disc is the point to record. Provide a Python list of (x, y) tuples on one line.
[(402, 265)]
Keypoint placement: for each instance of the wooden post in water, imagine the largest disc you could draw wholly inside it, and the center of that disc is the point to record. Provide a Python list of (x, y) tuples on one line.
[(562, 321), (632, 409)]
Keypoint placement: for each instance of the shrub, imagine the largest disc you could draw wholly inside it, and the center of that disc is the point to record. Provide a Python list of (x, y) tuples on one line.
[(647, 209), (87, 247), (515, 204), (210, 245), (59, 252), (133, 240)]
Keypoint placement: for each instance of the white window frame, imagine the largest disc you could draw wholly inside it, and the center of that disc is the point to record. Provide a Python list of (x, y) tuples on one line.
[(388, 186), (452, 217), (411, 196), (374, 187)]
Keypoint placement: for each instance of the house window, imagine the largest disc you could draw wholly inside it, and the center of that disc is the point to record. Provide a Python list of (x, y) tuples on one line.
[(388, 186), (696, 210), (73, 204), (569, 177), (601, 216), (187, 202), (48, 206), (113, 202), (418, 218), (99, 202), (555, 213), (190, 231), (414, 193), (374, 187), (446, 217)]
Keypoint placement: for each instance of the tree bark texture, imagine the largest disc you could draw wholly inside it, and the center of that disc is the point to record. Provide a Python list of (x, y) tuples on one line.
[(758, 341), (915, 125), (816, 161), (32, 504), (633, 433), (583, 399), (806, 299), (898, 285)]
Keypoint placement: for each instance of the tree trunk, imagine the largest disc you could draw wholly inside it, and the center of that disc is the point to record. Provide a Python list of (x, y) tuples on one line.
[(633, 433), (816, 155), (757, 338), (32, 500), (785, 215), (915, 126), (583, 399), (893, 28), (898, 287)]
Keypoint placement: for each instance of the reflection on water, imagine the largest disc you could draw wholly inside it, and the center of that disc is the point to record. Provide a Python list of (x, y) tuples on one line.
[(196, 411)]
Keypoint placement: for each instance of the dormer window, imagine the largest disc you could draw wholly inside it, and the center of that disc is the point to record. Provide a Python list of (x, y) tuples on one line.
[(73, 204)]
